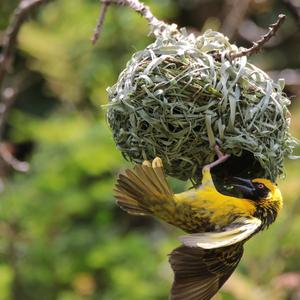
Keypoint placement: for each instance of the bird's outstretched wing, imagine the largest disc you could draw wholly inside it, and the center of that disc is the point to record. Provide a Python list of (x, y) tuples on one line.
[(200, 273), (239, 230)]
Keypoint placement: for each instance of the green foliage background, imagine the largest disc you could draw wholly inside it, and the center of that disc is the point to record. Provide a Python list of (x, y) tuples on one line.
[(61, 235)]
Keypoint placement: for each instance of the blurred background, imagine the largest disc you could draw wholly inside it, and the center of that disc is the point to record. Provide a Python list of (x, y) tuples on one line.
[(61, 235)]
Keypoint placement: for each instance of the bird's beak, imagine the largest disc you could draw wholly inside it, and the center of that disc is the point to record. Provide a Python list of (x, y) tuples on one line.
[(245, 186)]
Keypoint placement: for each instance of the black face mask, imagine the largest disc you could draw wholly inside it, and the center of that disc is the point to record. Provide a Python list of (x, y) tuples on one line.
[(251, 190)]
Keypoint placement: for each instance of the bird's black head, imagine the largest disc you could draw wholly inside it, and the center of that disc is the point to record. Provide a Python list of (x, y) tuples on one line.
[(251, 189), (265, 194)]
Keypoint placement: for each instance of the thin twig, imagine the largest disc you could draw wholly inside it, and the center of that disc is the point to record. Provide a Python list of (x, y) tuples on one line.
[(249, 31), (7, 156), (10, 37), (136, 5), (8, 94), (256, 47), (8, 98), (100, 22)]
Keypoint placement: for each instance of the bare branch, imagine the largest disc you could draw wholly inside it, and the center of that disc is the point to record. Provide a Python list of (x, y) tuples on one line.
[(8, 94), (8, 99), (136, 5), (100, 22), (7, 156), (249, 31), (256, 47), (10, 37)]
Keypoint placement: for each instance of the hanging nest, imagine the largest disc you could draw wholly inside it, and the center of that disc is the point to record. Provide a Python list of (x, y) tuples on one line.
[(181, 95)]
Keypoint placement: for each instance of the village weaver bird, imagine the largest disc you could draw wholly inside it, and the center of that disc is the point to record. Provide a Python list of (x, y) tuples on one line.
[(217, 225)]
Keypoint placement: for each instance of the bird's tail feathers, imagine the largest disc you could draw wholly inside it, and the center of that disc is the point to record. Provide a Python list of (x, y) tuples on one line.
[(138, 190)]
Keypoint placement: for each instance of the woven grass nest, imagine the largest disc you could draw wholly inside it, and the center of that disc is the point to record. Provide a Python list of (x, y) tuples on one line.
[(181, 95)]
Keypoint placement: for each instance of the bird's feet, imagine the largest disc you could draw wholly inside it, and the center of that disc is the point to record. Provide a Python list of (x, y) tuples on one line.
[(221, 158)]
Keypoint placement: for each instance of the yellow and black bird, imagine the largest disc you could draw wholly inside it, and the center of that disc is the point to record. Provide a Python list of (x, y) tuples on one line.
[(218, 224)]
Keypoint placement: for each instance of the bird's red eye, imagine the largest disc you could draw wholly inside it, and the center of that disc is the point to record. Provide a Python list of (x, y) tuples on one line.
[(260, 186)]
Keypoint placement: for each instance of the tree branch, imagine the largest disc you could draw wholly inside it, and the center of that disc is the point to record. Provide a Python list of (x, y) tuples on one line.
[(249, 31), (136, 5), (10, 37), (256, 47), (8, 98), (9, 94), (100, 22), (7, 157)]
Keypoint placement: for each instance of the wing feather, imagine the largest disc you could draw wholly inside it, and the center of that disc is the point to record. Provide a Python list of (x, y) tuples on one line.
[(238, 231), (196, 275)]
